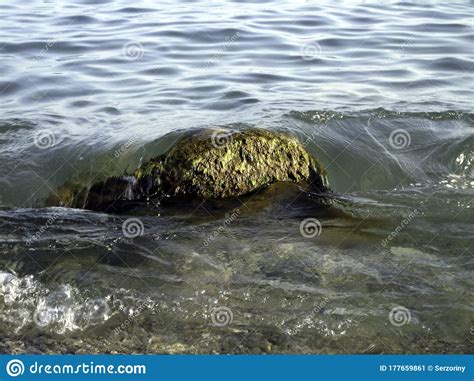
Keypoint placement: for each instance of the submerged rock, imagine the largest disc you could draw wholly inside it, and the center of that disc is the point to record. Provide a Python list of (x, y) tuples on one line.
[(207, 164)]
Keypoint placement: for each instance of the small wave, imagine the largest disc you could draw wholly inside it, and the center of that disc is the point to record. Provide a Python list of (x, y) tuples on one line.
[(367, 150)]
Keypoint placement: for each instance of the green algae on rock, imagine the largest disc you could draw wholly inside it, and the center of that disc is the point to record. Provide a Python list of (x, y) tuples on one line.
[(209, 164)]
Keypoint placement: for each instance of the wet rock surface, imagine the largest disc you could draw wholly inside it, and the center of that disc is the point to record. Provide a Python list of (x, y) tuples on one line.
[(209, 164)]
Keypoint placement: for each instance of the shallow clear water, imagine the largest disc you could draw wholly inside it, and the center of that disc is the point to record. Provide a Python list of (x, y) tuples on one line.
[(381, 94)]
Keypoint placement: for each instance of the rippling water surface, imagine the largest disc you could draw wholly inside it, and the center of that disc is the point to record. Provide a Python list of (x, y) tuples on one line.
[(381, 93)]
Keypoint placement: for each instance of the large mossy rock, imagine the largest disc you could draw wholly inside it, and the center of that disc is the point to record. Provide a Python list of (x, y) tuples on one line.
[(210, 164), (216, 164)]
